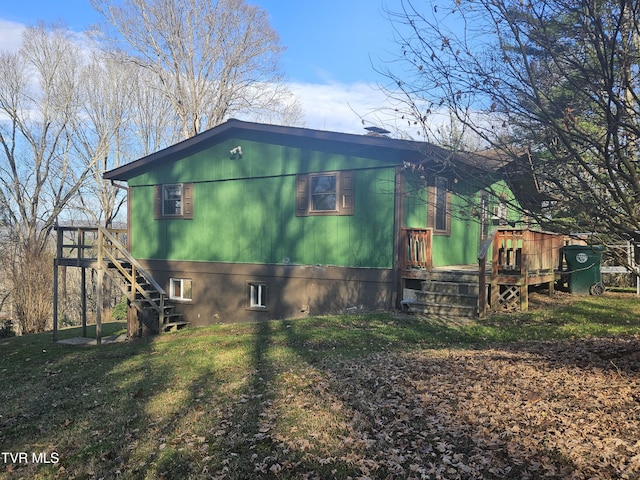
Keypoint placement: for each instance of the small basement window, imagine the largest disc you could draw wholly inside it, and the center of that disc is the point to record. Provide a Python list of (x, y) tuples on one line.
[(257, 293), (180, 289)]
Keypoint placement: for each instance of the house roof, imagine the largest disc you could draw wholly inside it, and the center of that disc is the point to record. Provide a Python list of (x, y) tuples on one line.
[(413, 151)]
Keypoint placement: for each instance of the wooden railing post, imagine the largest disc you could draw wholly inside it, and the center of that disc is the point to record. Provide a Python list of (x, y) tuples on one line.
[(527, 240), (161, 313), (482, 273), (99, 292), (416, 248)]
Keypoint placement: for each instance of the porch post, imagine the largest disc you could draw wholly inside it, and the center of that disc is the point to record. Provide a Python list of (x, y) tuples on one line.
[(56, 260), (55, 299), (83, 299), (527, 249), (99, 300)]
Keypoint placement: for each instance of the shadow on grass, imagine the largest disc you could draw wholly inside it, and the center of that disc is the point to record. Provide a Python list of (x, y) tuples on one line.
[(132, 410)]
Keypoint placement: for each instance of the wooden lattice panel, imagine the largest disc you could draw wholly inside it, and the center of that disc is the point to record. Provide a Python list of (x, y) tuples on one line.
[(509, 298)]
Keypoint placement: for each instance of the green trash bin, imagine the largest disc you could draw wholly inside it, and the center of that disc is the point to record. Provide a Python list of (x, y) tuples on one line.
[(583, 264)]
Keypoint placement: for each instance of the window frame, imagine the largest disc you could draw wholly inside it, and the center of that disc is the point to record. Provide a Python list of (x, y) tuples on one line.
[(180, 297), (257, 296), (500, 212), (439, 205), (175, 200), (344, 193), (186, 201)]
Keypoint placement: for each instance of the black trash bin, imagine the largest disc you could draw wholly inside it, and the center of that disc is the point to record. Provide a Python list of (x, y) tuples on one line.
[(583, 264)]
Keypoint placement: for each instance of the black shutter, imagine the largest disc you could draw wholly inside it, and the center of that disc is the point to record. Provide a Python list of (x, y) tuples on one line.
[(302, 195), (187, 197), (346, 198), (157, 202)]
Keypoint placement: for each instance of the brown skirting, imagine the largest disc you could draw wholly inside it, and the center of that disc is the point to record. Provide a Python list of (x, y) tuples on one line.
[(221, 290)]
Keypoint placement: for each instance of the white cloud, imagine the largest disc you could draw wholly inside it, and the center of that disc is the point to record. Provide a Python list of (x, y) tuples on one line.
[(10, 35), (343, 107)]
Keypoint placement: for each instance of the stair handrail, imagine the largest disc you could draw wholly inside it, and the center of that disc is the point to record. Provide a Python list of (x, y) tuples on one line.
[(127, 256), (482, 272)]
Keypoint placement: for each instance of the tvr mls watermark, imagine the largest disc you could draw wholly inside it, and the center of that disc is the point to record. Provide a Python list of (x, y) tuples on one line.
[(30, 457)]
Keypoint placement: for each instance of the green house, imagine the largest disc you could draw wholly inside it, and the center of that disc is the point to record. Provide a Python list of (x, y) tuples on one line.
[(250, 221)]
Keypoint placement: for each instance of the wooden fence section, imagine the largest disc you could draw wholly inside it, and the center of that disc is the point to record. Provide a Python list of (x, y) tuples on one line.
[(519, 258)]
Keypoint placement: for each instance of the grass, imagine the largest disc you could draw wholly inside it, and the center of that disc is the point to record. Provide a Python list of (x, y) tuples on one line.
[(232, 401)]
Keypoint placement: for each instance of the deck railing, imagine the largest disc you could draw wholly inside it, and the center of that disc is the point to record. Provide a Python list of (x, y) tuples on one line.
[(519, 258), (416, 248), (81, 244)]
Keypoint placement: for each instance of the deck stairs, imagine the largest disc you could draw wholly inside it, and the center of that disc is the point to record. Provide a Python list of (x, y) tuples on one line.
[(143, 292), (446, 293)]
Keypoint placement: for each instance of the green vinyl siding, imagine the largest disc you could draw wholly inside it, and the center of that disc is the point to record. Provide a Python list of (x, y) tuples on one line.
[(258, 160), (462, 245), (252, 220)]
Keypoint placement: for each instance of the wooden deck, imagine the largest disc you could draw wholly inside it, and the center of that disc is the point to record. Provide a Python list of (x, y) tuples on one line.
[(509, 262)]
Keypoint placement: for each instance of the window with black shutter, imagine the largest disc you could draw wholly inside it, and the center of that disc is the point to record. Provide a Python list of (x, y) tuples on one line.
[(173, 200), (325, 193)]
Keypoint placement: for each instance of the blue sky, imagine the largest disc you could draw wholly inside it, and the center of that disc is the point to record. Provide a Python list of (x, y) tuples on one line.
[(333, 47), (328, 41)]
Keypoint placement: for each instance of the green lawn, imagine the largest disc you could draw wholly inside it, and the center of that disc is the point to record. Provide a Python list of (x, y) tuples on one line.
[(310, 398)]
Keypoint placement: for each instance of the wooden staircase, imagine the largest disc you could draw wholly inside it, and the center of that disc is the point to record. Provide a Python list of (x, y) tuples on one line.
[(148, 298), (449, 293)]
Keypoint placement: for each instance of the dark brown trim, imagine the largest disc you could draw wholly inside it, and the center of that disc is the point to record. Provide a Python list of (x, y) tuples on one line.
[(397, 228)]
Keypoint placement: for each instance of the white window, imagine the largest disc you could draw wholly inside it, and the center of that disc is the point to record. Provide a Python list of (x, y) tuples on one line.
[(500, 213), (326, 193), (323, 193), (257, 293), (172, 200), (180, 289)]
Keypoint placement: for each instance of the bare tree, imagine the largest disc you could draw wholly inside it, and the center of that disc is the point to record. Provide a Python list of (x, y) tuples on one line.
[(552, 84), (153, 122), (39, 102), (213, 59), (102, 134)]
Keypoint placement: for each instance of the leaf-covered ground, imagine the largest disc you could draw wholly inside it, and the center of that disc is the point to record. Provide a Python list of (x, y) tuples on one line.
[(556, 410)]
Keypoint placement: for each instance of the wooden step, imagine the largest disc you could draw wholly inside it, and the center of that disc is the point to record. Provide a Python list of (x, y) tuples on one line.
[(173, 326), (462, 288), (463, 299), (439, 310), (453, 276)]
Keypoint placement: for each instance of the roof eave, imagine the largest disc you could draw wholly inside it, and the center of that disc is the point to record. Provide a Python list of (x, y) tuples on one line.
[(129, 170)]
